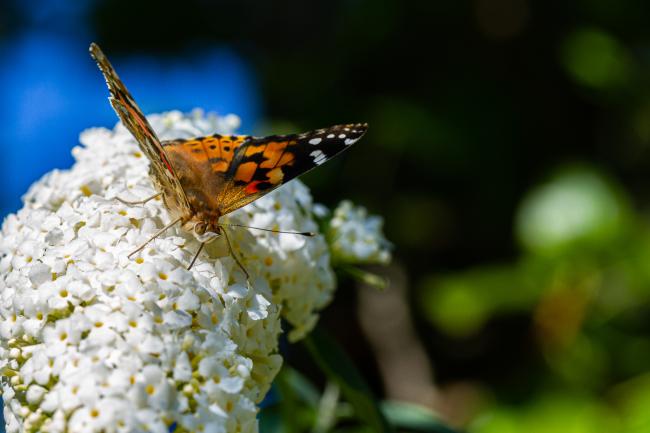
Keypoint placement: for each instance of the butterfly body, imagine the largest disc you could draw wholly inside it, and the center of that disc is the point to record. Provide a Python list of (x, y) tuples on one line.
[(204, 178)]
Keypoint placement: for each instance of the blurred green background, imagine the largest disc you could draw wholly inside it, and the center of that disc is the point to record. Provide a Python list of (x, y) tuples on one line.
[(508, 151)]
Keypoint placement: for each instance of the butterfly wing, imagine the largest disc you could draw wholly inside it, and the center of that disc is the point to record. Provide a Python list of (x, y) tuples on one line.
[(131, 116), (217, 151), (201, 165), (261, 164)]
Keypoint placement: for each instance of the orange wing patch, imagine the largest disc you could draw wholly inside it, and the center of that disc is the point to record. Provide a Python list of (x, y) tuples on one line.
[(273, 152), (252, 150), (267, 159), (246, 171), (216, 149), (287, 158), (275, 176)]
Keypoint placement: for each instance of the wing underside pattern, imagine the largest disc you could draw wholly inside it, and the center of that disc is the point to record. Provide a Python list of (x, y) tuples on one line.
[(135, 121)]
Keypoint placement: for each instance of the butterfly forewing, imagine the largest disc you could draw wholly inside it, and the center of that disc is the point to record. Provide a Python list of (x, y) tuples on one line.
[(262, 164), (135, 121)]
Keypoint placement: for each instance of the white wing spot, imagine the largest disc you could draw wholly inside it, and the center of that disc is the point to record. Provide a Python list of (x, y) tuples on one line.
[(349, 141), (342, 136), (315, 141), (319, 157), (330, 136)]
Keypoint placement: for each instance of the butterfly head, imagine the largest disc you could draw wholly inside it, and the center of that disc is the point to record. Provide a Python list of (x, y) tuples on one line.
[(205, 231)]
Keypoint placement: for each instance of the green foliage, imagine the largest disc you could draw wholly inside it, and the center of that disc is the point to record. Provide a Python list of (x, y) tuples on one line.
[(583, 279), (550, 413), (595, 58), (340, 370), (576, 205), (460, 304), (410, 417)]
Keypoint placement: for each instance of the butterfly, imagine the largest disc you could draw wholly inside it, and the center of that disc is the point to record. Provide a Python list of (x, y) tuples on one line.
[(204, 178)]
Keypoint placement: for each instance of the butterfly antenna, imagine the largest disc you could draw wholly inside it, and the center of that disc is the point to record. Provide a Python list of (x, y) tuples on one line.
[(133, 203), (309, 234), (196, 256), (234, 255), (158, 233)]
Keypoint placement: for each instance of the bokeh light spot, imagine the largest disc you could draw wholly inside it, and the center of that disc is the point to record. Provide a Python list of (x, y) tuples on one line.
[(578, 204), (594, 58)]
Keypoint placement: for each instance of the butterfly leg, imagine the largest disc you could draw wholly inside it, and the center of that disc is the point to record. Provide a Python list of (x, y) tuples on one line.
[(196, 256), (158, 233), (133, 203), (233, 254)]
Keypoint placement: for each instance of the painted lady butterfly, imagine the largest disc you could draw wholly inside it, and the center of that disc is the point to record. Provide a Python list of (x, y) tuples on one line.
[(204, 178)]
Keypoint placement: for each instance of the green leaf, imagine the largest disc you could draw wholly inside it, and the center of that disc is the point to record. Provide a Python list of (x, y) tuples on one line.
[(327, 409), (339, 369), (304, 390), (298, 402), (374, 280), (412, 417)]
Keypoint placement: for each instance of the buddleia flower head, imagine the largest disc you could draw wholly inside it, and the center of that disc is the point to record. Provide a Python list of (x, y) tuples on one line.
[(94, 341)]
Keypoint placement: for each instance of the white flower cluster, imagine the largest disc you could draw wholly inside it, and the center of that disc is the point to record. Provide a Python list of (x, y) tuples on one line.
[(356, 237), (93, 341)]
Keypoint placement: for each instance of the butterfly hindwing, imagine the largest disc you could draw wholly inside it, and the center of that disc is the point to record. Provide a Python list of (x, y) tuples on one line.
[(262, 164), (135, 121), (217, 150)]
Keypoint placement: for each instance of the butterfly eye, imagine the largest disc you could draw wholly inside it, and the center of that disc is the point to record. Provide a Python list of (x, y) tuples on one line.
[(199, 228)]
